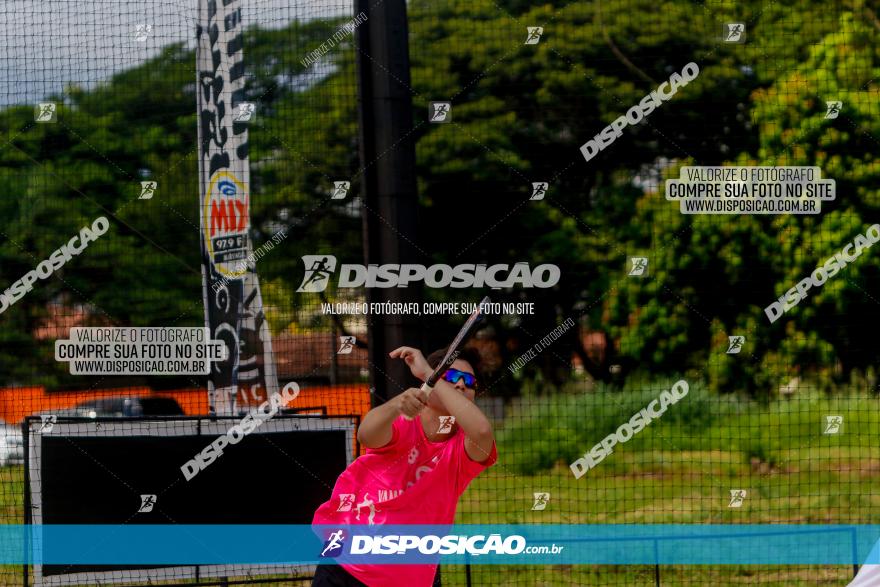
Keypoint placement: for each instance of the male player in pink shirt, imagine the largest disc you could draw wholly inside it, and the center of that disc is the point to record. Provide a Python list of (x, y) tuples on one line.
[(422, 452)]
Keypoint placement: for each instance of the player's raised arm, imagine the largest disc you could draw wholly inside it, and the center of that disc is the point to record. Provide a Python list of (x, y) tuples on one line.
[(455, 390), (474, 424), (375, 431)]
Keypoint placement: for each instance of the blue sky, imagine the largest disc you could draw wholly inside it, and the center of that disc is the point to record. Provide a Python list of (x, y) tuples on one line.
[(46, 44)]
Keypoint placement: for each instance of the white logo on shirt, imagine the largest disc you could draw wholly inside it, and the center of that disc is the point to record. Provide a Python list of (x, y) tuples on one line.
[(367, 503), (419, 472), (386, 494)]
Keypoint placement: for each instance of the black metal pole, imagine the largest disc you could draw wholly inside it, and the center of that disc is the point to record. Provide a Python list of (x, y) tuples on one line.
[(26, 486), (334, 357), (656, 563), (390, 207)]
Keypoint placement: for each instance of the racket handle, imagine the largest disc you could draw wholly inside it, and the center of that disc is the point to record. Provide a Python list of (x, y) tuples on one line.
[(427, 389)]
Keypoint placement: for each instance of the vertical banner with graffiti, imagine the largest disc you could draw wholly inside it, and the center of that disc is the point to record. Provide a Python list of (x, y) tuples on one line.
[(233, 304)]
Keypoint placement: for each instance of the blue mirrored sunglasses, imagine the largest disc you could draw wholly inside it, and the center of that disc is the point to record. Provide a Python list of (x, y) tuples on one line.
[(454, 375)]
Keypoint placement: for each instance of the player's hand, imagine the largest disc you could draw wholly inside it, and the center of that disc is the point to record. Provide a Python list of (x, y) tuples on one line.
[(411, 402), (415, 360)]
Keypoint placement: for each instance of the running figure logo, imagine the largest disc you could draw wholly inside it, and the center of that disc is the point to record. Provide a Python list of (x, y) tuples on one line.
[(319, 268), (833, 424), (639, 266), (446, 423), (737, 496), (346, 500), (45, 112), (734, 32), (833, 109), (148, 188), (735, 344), (346, 345), (340, 190), (333, 543), (541, 500), (142, 31), (539, 189), (147, 503), (534, 35), (47, 423), (367, 503), (440, 111), (244, 112)]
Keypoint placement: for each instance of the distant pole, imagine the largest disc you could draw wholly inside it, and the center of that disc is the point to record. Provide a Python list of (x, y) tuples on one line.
[(388, 183), (334, 358)]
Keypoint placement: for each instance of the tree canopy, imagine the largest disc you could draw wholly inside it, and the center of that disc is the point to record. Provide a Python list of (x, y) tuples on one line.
[(520, 114)]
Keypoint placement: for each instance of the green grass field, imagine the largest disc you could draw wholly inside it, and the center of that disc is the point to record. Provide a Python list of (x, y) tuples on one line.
[(680, 470), (670, 487)]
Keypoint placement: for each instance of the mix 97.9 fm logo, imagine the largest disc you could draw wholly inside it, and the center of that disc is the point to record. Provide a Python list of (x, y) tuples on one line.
[(227, 220)]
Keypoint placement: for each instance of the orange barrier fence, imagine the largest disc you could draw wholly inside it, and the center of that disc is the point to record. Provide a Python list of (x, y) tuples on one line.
[(18, 402)]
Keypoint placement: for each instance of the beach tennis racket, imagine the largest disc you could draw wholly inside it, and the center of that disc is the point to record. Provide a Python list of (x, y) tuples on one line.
[(459, 340), (469, 327)]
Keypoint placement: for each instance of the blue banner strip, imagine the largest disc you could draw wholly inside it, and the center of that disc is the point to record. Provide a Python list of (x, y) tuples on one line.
[(417, 544)]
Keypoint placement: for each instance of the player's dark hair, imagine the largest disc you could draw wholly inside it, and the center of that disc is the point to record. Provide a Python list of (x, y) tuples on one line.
[(468, 354)]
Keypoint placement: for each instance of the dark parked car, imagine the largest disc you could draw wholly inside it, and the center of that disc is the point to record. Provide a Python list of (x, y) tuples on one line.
[(125, 407)]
